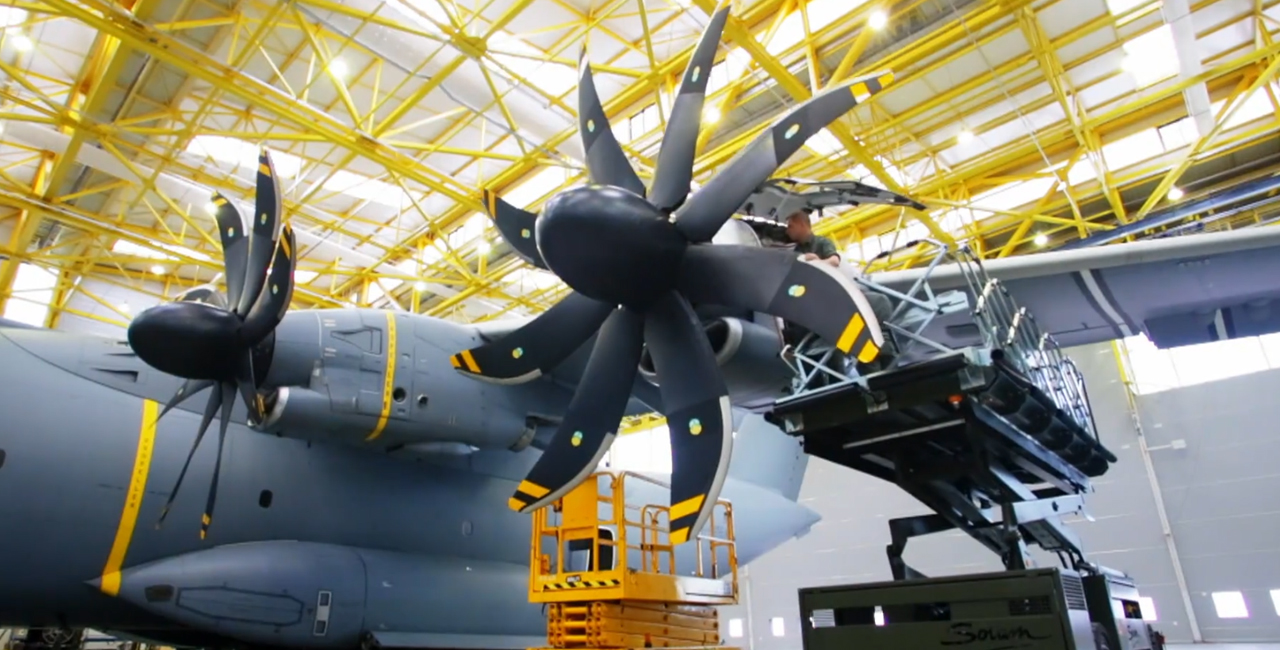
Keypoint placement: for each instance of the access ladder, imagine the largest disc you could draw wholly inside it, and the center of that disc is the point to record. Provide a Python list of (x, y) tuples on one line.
[(610, 577)]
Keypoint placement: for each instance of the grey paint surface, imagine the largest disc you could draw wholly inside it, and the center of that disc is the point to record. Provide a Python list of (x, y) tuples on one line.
[(417, 545), (848, 544), (1221, 494)]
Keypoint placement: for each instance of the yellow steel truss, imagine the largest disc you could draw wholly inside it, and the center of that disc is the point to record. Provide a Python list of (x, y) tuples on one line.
[(159, 73)]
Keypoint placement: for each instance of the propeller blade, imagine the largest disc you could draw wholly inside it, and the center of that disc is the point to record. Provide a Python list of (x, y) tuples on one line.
[(706, 211), (269, 309), (235, 247), (539, 345), (673, 172), (516, 226), (228, 400), (696, 404), (210, 408), (186, 390), (591, 422), (813, 295), (606, 162), (248, 386), (265, 229)]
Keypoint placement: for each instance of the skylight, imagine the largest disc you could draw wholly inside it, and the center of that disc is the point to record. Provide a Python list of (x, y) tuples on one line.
[(524, 60), (527, 280), (414, 11), (368, 189), (538, 186), (32, 291), (824, 12), (236, 152), (11, 16), (1012, 195), (1151, 57), (1119, 7), (124, 247)]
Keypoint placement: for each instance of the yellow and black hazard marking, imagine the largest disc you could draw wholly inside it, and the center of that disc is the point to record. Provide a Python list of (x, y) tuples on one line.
[(580, 584)]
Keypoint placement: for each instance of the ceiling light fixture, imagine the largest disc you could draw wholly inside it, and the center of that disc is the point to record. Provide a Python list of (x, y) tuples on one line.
[(878, 19)]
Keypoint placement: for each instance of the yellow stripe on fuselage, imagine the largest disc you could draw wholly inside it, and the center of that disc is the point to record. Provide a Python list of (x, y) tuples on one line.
[(132, 498), (388, 379)]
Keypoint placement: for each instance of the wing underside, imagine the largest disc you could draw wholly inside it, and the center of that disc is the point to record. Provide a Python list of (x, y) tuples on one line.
[(1178, 291)]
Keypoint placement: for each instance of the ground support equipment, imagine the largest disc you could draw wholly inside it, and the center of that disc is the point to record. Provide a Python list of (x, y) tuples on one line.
[(609, 576), (978, 414), (1031, 609)]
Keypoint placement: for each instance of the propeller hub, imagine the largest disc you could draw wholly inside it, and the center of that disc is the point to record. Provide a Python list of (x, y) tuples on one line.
[(610, 244), (188, 339)]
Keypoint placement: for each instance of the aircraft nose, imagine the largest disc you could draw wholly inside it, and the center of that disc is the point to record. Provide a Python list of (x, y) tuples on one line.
[(186, 339)]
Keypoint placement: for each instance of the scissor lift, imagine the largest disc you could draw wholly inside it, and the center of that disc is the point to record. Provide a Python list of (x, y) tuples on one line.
[(976, 412), (611, 579)]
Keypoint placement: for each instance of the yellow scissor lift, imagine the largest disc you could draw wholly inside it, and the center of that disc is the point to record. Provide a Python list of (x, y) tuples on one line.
[(608, 575)]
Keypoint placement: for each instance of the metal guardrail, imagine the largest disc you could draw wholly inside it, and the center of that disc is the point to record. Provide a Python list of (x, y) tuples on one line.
[(1008, 330)]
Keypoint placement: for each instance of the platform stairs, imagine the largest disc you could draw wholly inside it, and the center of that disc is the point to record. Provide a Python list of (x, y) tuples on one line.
[(611, 579), (971, 408)]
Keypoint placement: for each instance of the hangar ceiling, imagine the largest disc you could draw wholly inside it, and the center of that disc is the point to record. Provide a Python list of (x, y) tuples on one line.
[(1022, 125)]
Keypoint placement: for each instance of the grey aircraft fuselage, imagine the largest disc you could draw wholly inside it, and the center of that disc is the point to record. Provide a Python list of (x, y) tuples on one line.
[(322, 534)]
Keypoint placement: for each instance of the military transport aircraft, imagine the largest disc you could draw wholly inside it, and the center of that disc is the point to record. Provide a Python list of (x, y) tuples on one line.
[(371, 466)]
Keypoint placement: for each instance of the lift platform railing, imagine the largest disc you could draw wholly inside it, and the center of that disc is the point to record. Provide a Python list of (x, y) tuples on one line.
[(1007, 330), (594, 545)]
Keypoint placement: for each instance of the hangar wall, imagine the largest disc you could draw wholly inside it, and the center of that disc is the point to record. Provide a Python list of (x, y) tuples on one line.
[(1220, 492), (1223, 530)]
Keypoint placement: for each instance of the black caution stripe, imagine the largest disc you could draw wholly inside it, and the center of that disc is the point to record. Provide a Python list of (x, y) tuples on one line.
[(581, 584)]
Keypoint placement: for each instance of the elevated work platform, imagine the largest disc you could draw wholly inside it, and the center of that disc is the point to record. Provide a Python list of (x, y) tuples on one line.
[(972, 410), (611, 578)]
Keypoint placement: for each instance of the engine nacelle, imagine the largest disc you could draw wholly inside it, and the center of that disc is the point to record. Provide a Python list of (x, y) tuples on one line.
[(350, 376), (749, 356)]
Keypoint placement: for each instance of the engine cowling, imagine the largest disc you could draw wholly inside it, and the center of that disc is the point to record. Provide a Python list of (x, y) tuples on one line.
[(749, 356)]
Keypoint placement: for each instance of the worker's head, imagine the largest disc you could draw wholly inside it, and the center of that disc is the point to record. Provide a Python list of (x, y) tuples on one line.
[(799, 228)]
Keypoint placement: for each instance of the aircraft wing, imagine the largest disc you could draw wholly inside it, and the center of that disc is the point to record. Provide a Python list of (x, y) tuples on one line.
[(13, 324), (1178, 290)]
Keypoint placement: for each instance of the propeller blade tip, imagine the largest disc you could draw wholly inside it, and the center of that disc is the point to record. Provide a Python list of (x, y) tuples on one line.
[(679, 536), (869, 352)]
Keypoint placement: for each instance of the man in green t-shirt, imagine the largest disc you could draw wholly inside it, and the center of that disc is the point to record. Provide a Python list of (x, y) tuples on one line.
[(811, 246), (818, 248)]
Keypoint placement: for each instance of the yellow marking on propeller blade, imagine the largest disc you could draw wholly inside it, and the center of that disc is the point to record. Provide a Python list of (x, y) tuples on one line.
[(284, 243), (861, 92), (687, 507), (206, 519), (515, 504), (457, 363), (388, 379), (470, 361), (491, 199), (868, 352), (679, 536), (851, 332), (220, 201), (533, 489), (265, 170), (110, 583)]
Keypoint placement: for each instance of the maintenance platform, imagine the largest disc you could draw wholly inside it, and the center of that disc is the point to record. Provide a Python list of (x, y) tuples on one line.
[(610, 577), (979, 415)]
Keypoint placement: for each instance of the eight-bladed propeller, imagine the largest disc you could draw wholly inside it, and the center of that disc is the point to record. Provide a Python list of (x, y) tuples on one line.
[(214, 347), (636, 260)]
